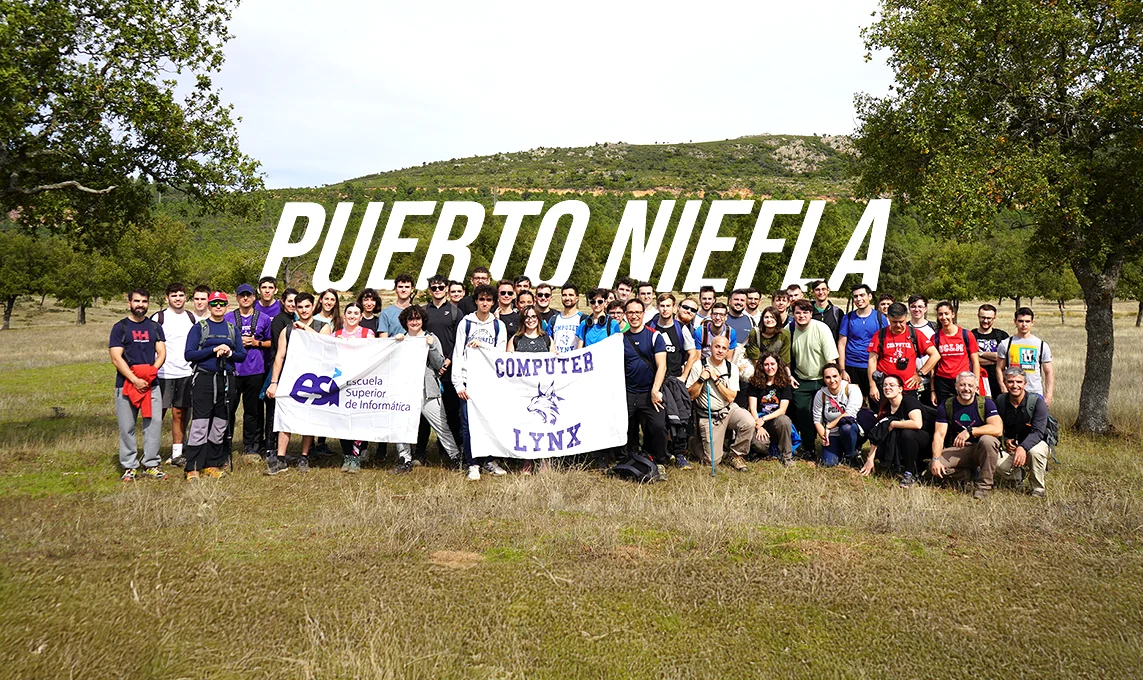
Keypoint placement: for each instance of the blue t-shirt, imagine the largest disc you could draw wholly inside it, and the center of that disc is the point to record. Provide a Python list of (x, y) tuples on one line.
[(387, 321), (858, 332), (592, 333), (271, 310), (639, 350), (964, 417), (138, 342), (742, 324)]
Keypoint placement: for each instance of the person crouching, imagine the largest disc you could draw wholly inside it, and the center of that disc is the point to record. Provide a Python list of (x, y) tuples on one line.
[(713, 385)]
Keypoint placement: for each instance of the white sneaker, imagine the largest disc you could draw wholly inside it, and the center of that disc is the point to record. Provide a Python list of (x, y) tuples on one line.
[(474, 473), (492, 467)]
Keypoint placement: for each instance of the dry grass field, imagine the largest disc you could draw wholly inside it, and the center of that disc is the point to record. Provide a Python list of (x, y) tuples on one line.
[(811, 573)]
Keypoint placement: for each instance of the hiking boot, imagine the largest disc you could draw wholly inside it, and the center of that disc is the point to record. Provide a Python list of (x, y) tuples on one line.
[(213, 473), (304, 464), (192, 475), (179, 461), (354, 466), (494, 468), (662, 471), (980, 494), (128, 475), (274, 465), (402, 467), (154, 473), (908, 481), (473, 473), (737, 463), (1039, 493), (345, 463), (321, 450), (788, 462), (681, 462)]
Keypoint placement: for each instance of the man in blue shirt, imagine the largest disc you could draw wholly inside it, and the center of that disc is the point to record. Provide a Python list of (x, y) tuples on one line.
[(598, 325), (138, 341), (645, 368), (214, 348), (858, 327), (387, 324), (976, 429)]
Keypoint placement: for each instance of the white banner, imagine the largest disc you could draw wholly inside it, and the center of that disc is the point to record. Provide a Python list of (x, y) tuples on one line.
[(540, 405), (352, 389)]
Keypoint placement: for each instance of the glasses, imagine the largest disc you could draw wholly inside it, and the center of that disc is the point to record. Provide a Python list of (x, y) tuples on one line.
[(543, 296), (600, 301), (692, 310), (484, 299), (437, 287), (506, 293), (218, 303)]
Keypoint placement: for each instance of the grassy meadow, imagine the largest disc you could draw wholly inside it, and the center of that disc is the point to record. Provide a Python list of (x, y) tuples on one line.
[(808, 573)]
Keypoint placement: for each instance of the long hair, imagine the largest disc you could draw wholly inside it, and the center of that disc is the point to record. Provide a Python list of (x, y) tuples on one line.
[(335, 313), (781, 378), (521, 330)]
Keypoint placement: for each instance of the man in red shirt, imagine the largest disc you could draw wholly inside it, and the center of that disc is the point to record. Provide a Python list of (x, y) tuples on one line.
[(894, 351), (959, 353)]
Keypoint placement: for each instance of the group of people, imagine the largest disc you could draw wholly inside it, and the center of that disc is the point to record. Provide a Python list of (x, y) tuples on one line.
[(723, 382)]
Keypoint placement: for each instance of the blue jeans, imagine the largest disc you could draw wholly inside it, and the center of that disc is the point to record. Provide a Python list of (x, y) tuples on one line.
[(843, 441)]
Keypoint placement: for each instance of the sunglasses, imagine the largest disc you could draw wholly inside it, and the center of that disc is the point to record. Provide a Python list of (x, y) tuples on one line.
[(506, 293), (543, 295), (437, 287), (600, 301), (692, 310), (218, 303)]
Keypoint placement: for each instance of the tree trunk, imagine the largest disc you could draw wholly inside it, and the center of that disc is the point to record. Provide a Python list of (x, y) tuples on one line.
[(1138, 315), (1099, 293), (1018, 298), (10, 304), (81, 314), (42, 299), (1061, 304)]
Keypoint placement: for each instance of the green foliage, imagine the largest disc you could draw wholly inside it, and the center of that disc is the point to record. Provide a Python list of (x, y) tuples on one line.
[(90, 114)]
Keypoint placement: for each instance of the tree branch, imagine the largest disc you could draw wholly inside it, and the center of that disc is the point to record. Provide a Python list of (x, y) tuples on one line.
[(71, 183)]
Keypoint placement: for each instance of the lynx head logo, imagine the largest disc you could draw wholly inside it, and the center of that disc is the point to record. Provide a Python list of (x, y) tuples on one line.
[(546, 404)]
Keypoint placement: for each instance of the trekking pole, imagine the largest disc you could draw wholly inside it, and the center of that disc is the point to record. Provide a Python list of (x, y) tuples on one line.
[(710, 428), (228, 440)]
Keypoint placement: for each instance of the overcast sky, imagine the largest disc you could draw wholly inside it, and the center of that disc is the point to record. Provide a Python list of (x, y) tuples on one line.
[(340, 89)]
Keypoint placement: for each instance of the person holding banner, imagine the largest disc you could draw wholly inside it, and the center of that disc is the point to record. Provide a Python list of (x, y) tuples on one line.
[(475, 330), (352, 329), (304, 307), (645, 369), (214, 347), (412, 320), (530, 338)]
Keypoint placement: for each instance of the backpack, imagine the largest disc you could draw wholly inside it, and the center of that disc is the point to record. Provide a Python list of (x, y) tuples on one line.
[(912, 338), (979, 409), (637, 468), (706, 331), (204, 334), (1051, 430), (495, 329)]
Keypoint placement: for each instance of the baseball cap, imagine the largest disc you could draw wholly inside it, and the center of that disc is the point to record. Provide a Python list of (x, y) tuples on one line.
[(216, 296), (246, 288)]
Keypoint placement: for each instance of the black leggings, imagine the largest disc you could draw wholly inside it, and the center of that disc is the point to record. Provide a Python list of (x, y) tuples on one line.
[(905, 449)]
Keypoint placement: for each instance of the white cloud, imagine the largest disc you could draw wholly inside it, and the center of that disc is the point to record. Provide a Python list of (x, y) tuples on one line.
[(343, 89)]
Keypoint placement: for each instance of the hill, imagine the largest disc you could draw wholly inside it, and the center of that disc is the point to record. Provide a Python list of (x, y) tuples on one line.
[(761, 164)]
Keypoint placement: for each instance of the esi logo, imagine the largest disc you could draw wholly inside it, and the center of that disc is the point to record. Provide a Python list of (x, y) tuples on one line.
[(317, 390)]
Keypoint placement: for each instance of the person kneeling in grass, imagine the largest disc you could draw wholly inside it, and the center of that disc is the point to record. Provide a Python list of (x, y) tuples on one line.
[(976, 445), (1025, 417)]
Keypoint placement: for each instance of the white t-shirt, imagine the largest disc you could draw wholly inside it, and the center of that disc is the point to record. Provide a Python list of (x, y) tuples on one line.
[(176, 327), (1028, 353), (562, 329)]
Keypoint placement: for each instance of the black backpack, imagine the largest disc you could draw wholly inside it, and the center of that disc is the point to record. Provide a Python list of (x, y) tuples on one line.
[(637, 468)]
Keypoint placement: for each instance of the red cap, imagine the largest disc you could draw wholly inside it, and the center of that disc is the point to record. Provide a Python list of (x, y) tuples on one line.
[(215, 296)]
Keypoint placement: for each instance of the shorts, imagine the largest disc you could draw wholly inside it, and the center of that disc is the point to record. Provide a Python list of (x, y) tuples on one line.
[(176, 392)]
